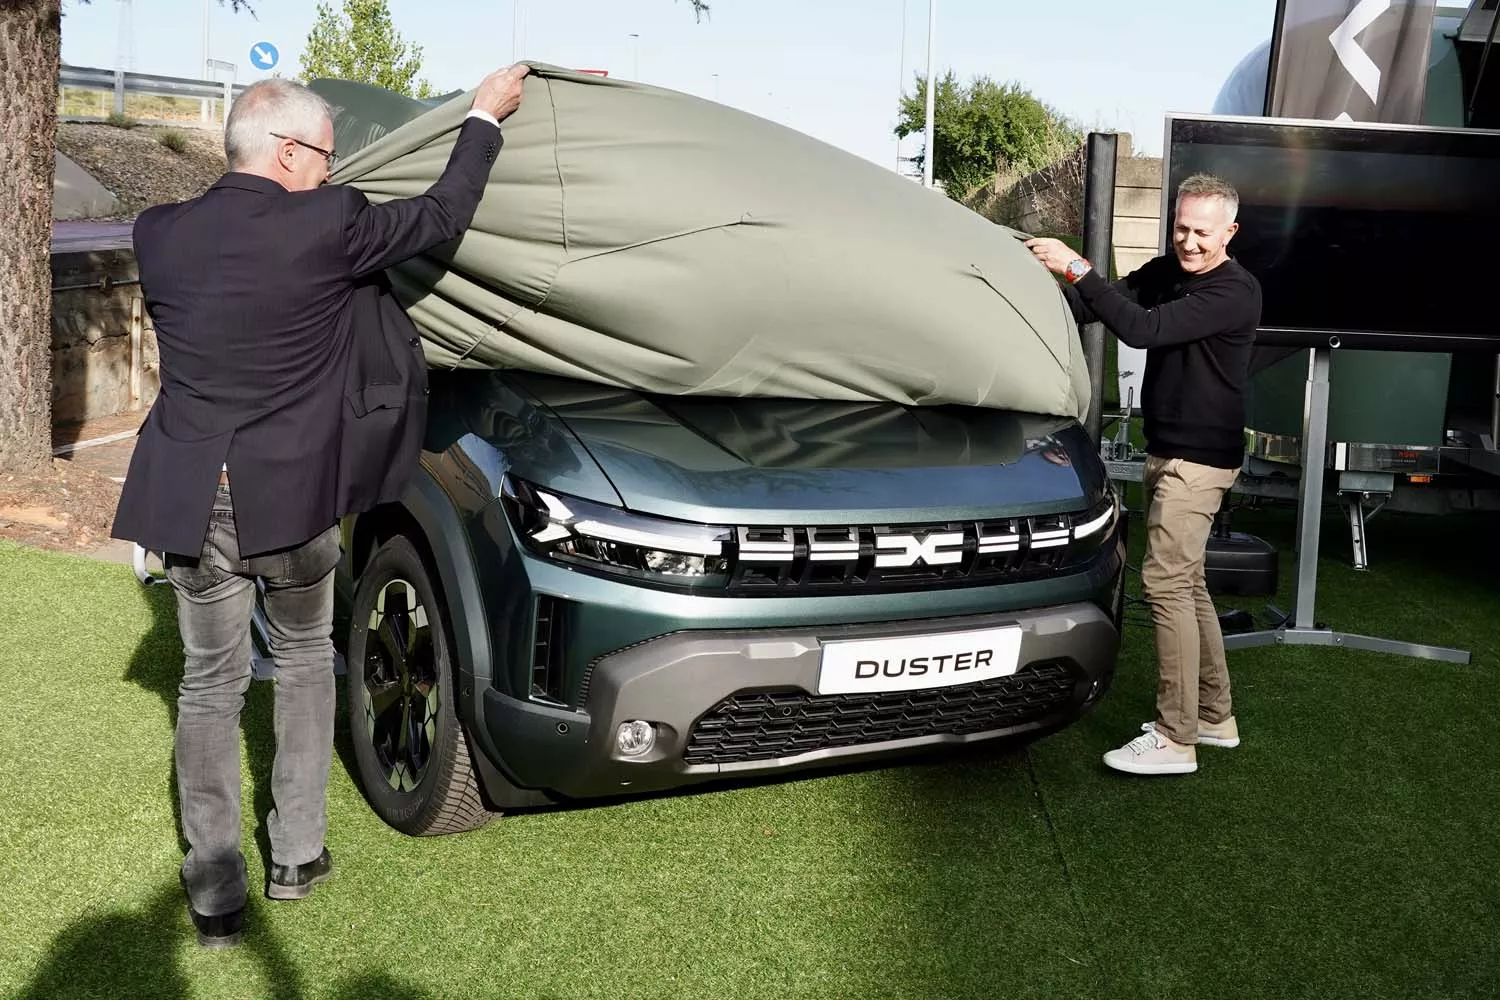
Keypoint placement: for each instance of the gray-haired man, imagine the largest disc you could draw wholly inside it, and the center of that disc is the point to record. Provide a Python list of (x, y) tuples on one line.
[(1195, 312), (250, 288)]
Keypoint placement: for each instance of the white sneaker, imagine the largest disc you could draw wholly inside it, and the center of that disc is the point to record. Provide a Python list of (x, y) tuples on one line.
[(1225, 734), (1153, 753)]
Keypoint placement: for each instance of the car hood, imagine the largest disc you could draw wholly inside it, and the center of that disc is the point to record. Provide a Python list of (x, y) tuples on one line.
[(755, 460)]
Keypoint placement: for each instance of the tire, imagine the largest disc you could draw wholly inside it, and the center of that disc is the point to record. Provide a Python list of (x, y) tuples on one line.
[(412, 754)]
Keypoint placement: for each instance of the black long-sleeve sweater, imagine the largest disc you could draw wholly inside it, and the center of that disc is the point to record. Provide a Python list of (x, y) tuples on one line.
[(1198, 331)]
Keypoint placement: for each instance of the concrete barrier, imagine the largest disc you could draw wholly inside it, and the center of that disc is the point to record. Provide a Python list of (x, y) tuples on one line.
[(77, 195)]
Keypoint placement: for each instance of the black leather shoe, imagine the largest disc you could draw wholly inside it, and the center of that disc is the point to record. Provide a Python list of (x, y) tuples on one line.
[(297, 881), (223, 930)]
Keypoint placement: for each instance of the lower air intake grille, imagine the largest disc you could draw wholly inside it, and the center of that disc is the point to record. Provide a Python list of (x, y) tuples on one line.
[(548, 636), (775, 724)]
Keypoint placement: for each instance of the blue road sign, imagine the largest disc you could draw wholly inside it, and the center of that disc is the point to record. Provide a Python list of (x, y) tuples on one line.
[(263, 55)]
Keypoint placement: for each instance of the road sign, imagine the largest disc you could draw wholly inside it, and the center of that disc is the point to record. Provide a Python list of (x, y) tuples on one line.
[(263, 55)]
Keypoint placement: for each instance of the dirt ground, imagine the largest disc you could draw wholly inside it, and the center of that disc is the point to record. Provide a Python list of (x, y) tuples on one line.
[(64, 508), (68, 505)]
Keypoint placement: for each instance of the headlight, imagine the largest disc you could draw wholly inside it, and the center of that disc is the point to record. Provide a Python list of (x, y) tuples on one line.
[(597, 536), (1093, 529)]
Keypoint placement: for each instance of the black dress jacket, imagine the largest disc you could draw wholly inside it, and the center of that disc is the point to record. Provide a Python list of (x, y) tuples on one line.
[(283, 353)]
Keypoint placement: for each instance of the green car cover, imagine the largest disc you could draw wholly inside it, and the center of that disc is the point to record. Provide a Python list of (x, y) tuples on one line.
[(645, 238)]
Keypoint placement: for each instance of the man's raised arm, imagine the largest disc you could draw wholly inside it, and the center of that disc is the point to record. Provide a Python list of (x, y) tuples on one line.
[(378, 236)]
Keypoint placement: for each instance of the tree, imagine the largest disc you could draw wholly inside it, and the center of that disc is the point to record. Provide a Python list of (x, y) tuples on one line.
[(30, 40), (982, 127), (29, 50), (360, 43)]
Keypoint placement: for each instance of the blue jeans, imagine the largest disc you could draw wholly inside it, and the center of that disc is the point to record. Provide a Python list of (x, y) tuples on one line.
[(215, 598)]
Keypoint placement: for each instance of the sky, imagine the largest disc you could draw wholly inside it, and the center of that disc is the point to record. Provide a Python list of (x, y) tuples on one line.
[(833, 69)]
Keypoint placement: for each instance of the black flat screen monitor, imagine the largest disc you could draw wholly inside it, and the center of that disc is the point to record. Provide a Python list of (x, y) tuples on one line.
[(1362, 236)]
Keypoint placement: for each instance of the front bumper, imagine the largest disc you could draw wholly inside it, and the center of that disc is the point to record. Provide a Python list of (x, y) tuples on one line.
[(739, 703)]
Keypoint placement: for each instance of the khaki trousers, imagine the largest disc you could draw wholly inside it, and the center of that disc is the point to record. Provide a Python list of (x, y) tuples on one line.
[(1192, 675)]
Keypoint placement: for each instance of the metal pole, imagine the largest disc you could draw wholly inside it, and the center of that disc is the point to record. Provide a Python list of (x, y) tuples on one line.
[(206, 109), (1483, 62), (636, 72), (901, 79), (1310, 486), (930, 151), (1098, 235), (120, 92), (1495, 406), (137, 349), (1278, 25)]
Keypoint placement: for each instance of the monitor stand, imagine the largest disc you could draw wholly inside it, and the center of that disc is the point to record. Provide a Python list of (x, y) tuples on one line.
[(1300, 627)]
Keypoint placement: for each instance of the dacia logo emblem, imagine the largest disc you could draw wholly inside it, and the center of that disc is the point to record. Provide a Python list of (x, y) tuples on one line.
[(934, 548)]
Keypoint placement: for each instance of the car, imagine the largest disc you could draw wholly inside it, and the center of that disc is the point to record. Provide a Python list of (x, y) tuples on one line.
[(590, 592)]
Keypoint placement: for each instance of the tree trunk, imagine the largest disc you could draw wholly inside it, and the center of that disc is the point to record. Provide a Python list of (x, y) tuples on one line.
[(29, 49)]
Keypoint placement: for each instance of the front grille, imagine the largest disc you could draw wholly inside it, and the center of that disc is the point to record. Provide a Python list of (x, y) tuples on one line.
[(873, 558), (767, 725)]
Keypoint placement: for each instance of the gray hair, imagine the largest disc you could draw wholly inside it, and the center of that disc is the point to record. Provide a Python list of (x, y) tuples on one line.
[(1209, 186), (268, 106)]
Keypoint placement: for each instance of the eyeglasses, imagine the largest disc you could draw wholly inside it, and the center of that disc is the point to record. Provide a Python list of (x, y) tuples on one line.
[(327, 154)]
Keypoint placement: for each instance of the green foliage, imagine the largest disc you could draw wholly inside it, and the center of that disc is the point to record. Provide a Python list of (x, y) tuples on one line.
[(174, 140), (984, 127), (360, 43), (120, 121)]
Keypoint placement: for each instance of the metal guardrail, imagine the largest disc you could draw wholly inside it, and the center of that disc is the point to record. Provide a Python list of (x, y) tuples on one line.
[(121, 83)]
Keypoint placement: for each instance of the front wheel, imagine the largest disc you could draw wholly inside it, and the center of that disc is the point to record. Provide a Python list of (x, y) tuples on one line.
[(410, 748)]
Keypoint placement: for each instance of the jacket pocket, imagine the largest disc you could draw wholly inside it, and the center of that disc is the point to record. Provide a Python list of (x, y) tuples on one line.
[(376, 396)]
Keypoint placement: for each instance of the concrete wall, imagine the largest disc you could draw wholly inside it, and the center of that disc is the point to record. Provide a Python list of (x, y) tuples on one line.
[(104, 359), (1137, 221), (1137, 231)]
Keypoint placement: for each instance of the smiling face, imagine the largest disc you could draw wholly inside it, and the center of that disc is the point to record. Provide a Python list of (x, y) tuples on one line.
[(1202, 231)]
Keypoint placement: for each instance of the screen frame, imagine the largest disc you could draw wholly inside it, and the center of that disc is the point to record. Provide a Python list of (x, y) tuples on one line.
[(1308, 337)]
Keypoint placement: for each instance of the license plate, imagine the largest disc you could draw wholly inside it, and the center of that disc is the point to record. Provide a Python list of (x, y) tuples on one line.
[(917, 662)]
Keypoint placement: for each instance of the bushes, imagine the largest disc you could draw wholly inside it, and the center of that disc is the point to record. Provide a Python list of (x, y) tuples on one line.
[(174, 139)]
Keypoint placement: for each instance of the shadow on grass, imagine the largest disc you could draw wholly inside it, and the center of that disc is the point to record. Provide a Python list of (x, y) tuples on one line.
[(134, 953), (157, 667), (120, 953)]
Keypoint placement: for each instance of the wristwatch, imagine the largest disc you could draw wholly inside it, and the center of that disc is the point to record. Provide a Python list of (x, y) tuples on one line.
[(1076, 269)]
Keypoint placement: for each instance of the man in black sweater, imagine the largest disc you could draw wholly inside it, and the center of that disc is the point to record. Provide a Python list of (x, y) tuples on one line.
[(1195, 312)]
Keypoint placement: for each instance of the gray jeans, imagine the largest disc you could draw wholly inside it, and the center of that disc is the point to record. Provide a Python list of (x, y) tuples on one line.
[(215, 598)]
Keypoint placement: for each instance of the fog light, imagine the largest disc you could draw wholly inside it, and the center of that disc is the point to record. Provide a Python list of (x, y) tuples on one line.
[(635, 738)]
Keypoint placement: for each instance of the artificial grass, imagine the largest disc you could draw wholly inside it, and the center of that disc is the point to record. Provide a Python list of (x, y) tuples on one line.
[(1346, 849)]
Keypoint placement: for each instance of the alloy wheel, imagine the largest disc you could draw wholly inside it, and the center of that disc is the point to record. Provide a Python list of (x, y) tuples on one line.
[(401, 689)]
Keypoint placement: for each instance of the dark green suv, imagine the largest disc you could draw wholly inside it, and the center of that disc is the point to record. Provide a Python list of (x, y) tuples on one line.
[(590, 592)]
